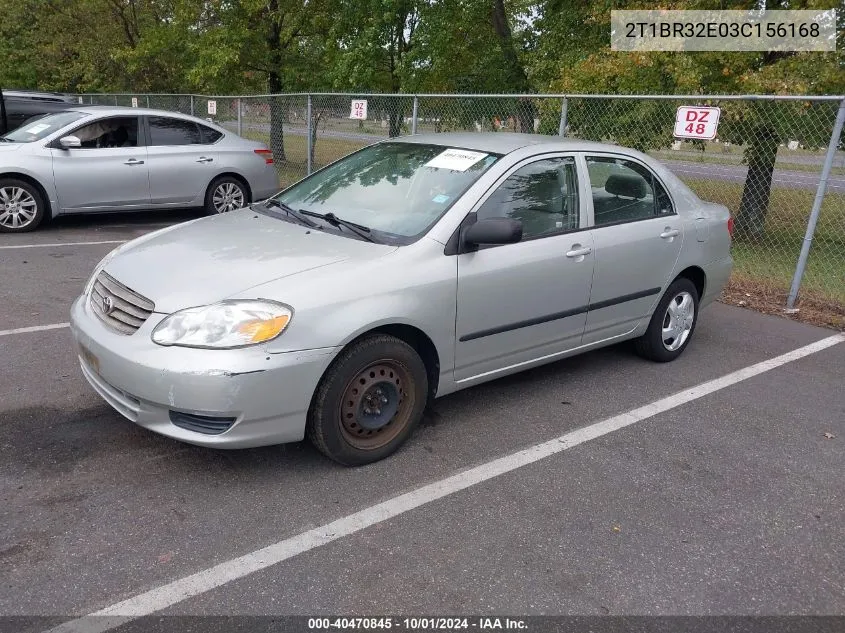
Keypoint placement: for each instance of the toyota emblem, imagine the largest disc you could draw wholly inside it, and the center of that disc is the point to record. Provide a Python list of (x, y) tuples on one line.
[(108, 305)]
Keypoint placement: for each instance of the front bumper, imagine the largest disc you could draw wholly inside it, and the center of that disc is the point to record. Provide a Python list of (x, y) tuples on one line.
[(266, 394)]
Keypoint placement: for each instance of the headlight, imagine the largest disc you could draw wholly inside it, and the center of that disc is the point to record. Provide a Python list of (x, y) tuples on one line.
[(224, 325)]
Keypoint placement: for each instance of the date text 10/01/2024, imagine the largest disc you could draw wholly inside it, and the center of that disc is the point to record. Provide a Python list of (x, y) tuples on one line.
[(418, 623)]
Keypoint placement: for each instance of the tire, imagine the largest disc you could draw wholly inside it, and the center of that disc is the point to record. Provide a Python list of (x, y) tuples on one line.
[(369, 401), (22, 207), (665, 346), (225, 194)]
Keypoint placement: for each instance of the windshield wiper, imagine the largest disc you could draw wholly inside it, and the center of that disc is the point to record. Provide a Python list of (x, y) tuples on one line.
[(272, 202), (359, 229)]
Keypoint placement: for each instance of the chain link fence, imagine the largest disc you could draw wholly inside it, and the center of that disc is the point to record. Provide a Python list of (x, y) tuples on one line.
[(765, 165)]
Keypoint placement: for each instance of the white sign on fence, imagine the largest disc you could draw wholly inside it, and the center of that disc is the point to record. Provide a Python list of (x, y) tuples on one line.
[(134, 102), (212, 107), (697, 122), (359, 109)]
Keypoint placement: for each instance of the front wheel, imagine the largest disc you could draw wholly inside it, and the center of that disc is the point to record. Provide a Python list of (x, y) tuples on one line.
[(22, 207), (369, 401), (672, 323), (225, 194)]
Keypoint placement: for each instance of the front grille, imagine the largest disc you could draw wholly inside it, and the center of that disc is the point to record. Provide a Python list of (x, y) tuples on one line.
[(204, 424), (122, 309)]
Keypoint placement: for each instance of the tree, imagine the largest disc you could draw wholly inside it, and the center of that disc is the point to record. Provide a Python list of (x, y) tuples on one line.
[(373, 39), (760, 127)]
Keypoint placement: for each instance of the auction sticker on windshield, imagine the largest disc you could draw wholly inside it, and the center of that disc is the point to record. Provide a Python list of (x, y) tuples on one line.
[(35, 129), (455, 159)]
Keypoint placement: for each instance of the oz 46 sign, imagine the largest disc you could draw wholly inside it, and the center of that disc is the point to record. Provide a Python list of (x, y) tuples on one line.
[(700, 123)]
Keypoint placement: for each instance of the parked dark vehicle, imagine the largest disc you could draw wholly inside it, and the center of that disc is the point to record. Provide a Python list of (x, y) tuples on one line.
[(17, 106)]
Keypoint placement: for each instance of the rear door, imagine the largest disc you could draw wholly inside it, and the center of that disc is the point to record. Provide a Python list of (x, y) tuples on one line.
[(637, 237), (525, 301), (181, 163), (109, 171)]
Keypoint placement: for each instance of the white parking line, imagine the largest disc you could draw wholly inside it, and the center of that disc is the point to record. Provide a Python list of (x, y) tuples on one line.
[(34, 328), (174, 592), (3, 248)]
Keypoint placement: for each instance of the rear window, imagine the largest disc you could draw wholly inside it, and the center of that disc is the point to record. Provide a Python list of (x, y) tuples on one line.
[(210, 135)]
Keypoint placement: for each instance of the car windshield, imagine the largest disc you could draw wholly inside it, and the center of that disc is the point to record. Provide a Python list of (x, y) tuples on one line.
[(397, 189), (41, 127)]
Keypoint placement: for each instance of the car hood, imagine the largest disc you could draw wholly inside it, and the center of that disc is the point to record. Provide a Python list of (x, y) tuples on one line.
[(9, 147), (213, 258)]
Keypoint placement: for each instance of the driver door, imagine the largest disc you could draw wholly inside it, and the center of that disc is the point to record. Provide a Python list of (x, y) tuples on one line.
[(108, 173), (522, 302)]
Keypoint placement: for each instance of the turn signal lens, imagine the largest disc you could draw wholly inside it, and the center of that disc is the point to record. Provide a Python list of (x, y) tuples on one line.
[(259, 330), (731, 226)]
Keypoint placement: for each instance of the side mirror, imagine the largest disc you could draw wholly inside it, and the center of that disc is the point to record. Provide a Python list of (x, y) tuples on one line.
[(69, 142), (493, 231)]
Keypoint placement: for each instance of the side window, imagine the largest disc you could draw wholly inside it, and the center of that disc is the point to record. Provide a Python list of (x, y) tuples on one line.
[(167, 131), (543, 195), (664, 202), (623, 191), (209, 135), (111, 132)]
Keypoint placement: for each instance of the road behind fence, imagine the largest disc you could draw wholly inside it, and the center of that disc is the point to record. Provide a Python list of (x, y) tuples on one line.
[(778, 162)]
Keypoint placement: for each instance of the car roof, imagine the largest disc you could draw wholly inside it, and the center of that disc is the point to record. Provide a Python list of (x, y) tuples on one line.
[(506, 142), (104, 110), (35, 95)]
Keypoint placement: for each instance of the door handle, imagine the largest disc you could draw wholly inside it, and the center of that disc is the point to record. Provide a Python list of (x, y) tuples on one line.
[(134, 161), (203, 159), (578, 252), (669, 232)]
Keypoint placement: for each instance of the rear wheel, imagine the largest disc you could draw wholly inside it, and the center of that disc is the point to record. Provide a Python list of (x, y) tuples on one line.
[(672, 323), (369, 401), (22, 206), (225, 194)]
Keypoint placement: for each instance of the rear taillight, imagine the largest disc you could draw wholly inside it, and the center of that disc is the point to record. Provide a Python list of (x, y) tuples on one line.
[(731, 227), (266, 154)]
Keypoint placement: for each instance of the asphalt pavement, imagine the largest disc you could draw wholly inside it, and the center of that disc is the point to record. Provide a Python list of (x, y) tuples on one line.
[(729, 502)]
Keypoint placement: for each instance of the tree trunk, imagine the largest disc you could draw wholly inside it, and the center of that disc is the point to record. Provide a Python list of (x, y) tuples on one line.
[(395, 123), (315, 121), (760, 155), (277, 118), (516, 76), (525, 116)]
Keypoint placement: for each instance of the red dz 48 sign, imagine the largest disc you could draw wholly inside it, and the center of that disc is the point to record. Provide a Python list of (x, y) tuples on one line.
[(700, 123)]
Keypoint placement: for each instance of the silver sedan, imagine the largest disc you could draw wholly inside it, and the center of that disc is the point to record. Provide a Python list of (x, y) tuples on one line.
[(94, 159), (403, 272)]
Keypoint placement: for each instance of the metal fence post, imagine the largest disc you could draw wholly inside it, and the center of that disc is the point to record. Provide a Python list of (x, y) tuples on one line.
[(148, 101), (308, 127), (240, 119), (817, 206), (414, 116), (192, 105), (564, 111)]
